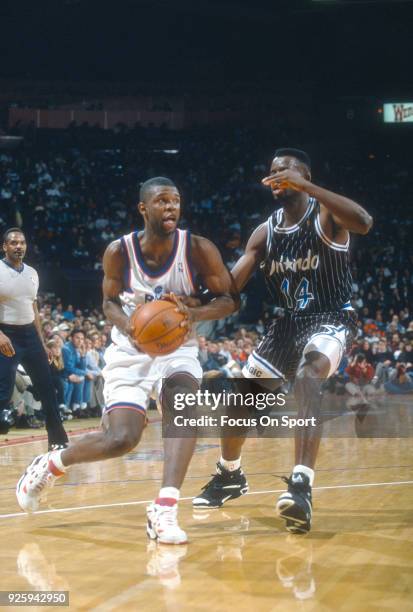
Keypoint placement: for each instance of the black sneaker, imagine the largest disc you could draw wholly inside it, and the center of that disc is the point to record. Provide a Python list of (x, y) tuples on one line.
[(223, 486), (295, 505)]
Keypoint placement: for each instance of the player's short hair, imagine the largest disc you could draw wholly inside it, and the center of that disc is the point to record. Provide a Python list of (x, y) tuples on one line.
[(12, 230), (302, 156), (158, 181)]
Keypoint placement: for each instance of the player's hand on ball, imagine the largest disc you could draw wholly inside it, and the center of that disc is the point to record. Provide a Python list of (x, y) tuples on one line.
[(160, 327), (129, 331), (182, 308), (286, 179)]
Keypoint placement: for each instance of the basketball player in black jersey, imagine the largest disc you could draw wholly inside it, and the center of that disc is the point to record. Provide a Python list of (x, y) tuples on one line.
[(303, 249)]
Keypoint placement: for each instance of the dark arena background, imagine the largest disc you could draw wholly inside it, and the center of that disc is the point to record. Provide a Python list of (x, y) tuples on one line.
[(98, 97)]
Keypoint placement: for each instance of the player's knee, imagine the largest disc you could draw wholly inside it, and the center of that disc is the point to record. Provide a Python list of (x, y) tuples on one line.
[(314, 365), (121, 442), (176, 389)]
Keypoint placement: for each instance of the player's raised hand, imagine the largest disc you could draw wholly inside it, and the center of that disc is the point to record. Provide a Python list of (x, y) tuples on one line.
[(286, 179), (6, 347)]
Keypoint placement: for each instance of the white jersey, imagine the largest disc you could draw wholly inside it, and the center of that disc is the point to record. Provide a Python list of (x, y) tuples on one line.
[(18, 290), (144, 285)]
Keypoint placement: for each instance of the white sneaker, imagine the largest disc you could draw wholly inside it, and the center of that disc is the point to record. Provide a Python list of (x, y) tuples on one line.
[(32, 486), (163, 525)]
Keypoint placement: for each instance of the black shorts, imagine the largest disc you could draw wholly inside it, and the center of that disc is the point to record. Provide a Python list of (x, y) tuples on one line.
[(281, 349)]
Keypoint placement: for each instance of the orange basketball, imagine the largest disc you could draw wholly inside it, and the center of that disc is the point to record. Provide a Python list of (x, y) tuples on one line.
[(157, 328)]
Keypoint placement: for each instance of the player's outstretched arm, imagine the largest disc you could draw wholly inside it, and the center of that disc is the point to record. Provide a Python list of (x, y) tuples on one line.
[(254, 254), (113, 268), (245, 266), (216, 278), (346, 214)]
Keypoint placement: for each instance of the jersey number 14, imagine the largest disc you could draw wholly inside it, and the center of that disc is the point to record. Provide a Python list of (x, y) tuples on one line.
[(302, 295)]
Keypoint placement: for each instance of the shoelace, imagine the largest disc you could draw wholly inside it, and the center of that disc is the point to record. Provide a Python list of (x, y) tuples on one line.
[(215, 478), (289, 481), (43, 482), (46, 477), (212, 483)]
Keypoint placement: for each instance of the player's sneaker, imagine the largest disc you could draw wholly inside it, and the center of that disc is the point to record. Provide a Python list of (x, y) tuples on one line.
[(223, 486), (162, 524), (295, 505), (40, 475)]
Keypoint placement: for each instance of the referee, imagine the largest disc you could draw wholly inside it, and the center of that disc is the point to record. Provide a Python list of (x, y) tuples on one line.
[(20, 334)]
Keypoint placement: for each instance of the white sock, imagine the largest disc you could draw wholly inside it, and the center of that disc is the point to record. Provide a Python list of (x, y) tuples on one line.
[(169, 493), (56, 457), (305, 470), (232, 465)]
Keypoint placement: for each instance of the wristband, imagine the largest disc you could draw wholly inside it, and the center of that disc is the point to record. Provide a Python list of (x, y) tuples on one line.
[(206, 296)]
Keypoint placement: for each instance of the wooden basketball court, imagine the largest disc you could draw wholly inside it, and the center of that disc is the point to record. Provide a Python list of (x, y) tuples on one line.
[(90, 538)]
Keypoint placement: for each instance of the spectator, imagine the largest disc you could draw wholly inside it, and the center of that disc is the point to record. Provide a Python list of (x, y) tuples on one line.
[(93, 391), (409, 331), (381, 353), (63, 330), (224, 350), (215, 364), (240, 355), (47, 330), (361, 374), (383, 373), (57, 368), (74, 358), (405, 353), (367, 351), (28, 413), (99, 352), (202, 350), (401, 381), (68, 314)]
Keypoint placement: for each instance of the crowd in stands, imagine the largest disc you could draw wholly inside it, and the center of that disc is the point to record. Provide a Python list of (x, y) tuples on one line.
[(76, 343), (380, 362), (381, 359), (75, 191)]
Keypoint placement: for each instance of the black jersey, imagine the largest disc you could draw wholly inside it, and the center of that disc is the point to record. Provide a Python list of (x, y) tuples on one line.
[(307, 272)]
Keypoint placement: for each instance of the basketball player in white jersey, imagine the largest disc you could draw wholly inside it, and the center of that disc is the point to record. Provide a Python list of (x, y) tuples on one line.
[(139, 267), (21, 340)]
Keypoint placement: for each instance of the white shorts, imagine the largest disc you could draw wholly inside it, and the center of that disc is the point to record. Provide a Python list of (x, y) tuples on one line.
[(131, 378), (331, 344)]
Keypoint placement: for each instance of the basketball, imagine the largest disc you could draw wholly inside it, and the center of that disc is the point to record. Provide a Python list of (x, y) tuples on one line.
[(156, 328)]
